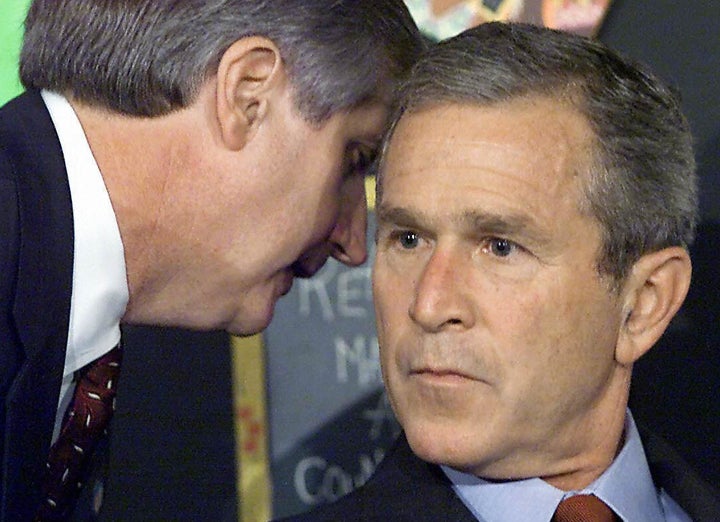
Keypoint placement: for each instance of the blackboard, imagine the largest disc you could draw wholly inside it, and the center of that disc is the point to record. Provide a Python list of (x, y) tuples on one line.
[(330, 422)]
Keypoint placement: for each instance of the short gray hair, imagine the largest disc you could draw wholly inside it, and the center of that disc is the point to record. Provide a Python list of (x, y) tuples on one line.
[(642, 187), (150, 57)]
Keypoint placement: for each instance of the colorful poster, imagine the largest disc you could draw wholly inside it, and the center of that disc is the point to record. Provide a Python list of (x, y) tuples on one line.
[(443, 18)]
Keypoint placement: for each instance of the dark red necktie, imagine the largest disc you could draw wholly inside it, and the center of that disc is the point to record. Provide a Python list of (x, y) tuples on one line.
[(584, 508), (84, 424)]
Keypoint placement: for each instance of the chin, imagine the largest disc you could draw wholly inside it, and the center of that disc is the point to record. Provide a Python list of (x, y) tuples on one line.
[(448, 443), (245, 326), (439, 445), (251, 322)]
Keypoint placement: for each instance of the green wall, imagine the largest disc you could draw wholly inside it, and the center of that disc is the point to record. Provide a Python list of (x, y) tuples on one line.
[(12, 13)]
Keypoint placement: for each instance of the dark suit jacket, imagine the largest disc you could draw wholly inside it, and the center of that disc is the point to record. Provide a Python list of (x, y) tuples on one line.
[(36, 259), (405, 488)]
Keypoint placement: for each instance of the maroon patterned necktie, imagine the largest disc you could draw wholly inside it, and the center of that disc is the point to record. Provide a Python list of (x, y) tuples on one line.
[(84, 423), (584, 508)]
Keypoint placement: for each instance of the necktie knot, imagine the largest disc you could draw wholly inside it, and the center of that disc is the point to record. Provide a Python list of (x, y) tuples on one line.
[(584, 508)]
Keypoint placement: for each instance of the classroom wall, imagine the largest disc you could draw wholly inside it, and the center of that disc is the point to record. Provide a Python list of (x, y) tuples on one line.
[(173, 445)]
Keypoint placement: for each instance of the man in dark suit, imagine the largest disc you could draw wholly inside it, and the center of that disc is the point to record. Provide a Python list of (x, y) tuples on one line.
[(173, 163), (536, 200)]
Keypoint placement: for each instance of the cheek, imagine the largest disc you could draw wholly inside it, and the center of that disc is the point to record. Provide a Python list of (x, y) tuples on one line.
[(382, 311), (559, 353), (322, 187), (392, 295), (391, 317), (324, 160)]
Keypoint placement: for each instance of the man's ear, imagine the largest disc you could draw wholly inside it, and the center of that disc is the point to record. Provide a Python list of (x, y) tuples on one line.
[(248, 71), (653, 293)]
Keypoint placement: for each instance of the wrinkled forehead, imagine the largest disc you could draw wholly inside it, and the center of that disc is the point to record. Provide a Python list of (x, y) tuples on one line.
[(535, 134)]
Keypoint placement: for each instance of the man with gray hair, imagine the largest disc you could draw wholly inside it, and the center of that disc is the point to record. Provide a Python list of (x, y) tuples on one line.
[(536, 200), (171, 163)]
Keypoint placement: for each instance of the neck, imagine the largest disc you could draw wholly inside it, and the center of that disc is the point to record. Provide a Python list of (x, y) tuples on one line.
[(602, 438), (141, 160)]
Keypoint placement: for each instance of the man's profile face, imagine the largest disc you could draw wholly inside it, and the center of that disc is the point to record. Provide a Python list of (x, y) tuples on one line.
[(496, 332), (309, 197), (247, 232)]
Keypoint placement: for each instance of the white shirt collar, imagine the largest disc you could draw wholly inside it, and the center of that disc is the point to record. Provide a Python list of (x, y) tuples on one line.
[(100, 291), (626, 486)]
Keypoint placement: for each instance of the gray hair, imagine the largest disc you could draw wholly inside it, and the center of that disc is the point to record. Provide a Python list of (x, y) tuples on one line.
[(151, 57), (642, 187)]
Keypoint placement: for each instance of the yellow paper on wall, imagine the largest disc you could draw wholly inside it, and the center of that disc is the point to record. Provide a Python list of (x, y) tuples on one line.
[(251, 434)]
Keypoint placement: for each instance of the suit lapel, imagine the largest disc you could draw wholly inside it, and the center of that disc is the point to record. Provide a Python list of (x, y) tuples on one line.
[(44, 287), (407, 488), (671, 473)]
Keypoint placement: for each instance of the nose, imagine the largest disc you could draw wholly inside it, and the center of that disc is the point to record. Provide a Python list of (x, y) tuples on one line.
[(348, 240), (443, 299)]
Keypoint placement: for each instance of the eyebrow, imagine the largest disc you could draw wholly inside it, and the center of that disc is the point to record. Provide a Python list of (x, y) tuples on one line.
[(510, 224), (472, 222)]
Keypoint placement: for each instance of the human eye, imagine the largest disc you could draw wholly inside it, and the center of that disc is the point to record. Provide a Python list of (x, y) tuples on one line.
[(506, 259), (359, 159), (406, 239), (500, 247), (401, 239)]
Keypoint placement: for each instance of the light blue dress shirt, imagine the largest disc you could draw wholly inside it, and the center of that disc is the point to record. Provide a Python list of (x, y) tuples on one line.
[(626, 486)]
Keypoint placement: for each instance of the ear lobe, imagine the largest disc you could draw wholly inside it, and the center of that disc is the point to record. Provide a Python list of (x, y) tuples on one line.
[(654, 292), (247, 73)]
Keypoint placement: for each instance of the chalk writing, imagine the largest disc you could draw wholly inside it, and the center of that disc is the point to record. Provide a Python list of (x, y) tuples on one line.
[(337, 293), (360, 359), (381, 416), (318, 481)]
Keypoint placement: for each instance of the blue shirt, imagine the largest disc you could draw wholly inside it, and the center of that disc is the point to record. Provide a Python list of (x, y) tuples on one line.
[(626, 486)]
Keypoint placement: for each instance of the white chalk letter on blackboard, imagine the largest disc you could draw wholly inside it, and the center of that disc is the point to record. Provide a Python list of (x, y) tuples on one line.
[(318, 285)]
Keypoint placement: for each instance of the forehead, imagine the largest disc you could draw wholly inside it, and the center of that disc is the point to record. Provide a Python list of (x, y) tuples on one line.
[(526, 155)]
